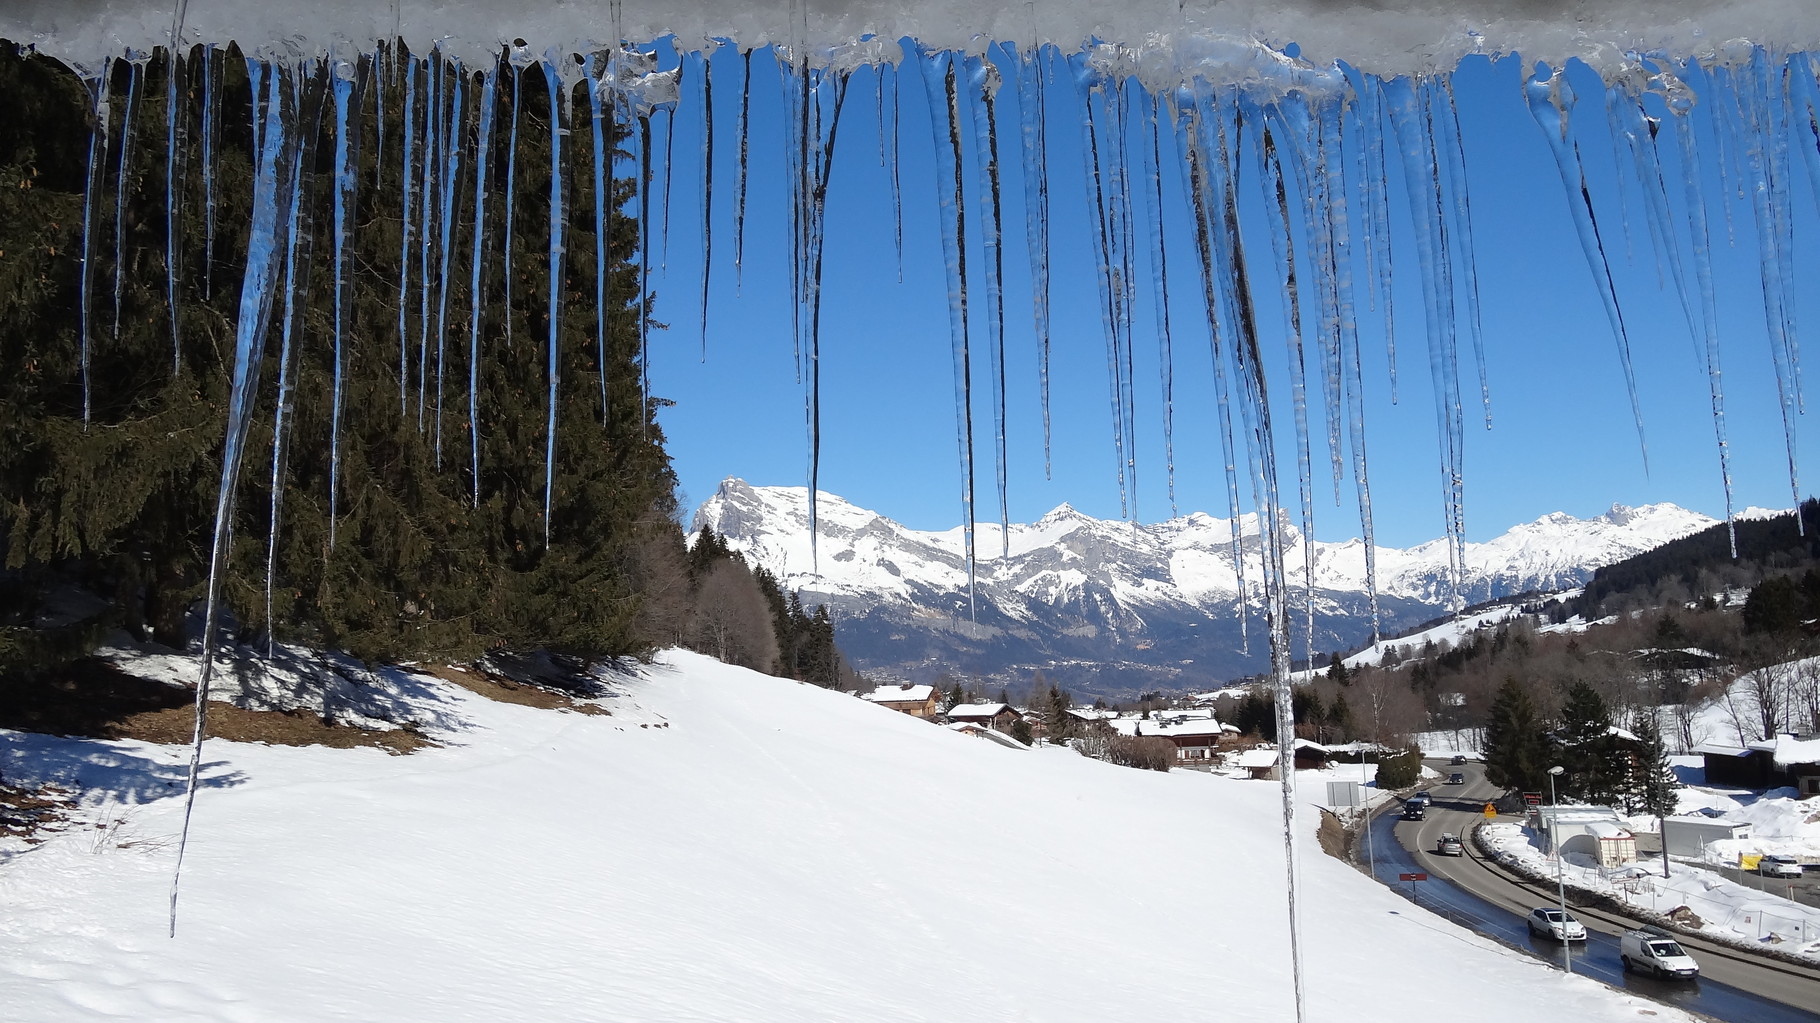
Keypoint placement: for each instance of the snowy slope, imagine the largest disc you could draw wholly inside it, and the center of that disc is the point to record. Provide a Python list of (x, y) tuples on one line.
[(725, 846), (1159, 602)]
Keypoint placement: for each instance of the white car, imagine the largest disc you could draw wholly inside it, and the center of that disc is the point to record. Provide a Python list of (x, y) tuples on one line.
[(1658, 952), (1547, 922), (1779, 866)]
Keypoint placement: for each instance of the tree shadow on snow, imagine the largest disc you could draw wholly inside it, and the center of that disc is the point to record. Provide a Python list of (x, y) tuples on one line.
[(98, 770)]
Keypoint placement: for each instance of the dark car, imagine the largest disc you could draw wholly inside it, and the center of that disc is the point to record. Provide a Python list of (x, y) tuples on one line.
[(1414, 811), (1458, 758), (1419, 798), (1456, 778)]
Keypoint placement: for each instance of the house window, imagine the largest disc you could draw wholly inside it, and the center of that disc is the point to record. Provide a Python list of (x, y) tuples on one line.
[(1810, 785)]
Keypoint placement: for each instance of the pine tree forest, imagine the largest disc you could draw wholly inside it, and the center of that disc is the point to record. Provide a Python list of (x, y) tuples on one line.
[(392, 496)]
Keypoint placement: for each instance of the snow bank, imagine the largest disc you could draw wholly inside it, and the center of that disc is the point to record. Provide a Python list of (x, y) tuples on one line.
[(723, 846)]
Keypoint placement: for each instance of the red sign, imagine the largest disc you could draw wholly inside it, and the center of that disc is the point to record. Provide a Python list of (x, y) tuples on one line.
[(1412, 877), (1532, 798)]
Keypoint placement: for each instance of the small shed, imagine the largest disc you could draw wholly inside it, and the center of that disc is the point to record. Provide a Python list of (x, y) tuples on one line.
[(1593, 831), (1260, 763), (1687, 836)]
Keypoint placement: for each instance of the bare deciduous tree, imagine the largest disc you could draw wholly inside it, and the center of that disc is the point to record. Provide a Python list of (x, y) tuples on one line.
[(732, 620)]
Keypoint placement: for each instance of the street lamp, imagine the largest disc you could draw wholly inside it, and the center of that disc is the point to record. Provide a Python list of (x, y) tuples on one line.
[(1554, 830)]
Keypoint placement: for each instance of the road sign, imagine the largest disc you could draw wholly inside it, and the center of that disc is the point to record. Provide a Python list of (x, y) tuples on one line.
[(1532, 799), (1491, 810), (1412, 877)]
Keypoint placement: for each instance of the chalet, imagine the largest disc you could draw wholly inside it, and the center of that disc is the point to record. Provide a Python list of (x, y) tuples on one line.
[(1196, 736), (999, 716), (1791, 761), (916, 701)]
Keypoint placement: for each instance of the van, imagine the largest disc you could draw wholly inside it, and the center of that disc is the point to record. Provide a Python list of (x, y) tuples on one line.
[(1657, 952)]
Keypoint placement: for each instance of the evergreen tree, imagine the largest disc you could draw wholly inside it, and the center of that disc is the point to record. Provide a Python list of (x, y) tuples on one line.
[(1516, 754), (1654, 784), (1587, 749)]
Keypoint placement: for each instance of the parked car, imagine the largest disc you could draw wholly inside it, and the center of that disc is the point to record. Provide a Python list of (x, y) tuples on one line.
[(1456, 778), (1414, 811), (1449, 845), (1458, 759), (1658, 952), (1548, 922), (1777, 865)]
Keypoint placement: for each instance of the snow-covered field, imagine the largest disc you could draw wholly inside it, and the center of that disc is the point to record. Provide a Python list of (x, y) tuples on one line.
[(723, 846)]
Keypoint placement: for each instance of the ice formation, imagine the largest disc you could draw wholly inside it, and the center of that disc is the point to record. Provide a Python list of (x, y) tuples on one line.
[(1302, 112)]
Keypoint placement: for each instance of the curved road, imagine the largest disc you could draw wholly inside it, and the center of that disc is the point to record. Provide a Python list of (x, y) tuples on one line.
[(1733, 986)]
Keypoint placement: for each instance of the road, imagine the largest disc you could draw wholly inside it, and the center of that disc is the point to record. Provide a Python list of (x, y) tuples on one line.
[(1733, 985)]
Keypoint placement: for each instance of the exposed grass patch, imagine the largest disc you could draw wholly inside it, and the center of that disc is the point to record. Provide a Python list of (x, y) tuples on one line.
[(95, 699), (500, 689)]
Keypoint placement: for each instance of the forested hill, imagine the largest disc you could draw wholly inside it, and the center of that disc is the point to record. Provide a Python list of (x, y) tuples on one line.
[(396, 470), (1703, 564)]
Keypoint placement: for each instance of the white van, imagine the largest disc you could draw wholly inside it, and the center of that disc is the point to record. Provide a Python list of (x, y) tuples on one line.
[(1658, 952)]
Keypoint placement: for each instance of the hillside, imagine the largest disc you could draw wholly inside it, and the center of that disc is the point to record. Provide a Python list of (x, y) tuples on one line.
[(722, 846)]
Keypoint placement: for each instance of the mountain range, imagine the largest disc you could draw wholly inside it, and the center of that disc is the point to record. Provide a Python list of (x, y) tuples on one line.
[(1113, 608)]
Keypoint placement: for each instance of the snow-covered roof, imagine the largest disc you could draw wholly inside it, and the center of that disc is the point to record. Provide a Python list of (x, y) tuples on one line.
[(901, 694), (1170, 728), (1720, 749), (1607, 830), (1789, 749), (1705, 822), (977, 710), (1257, 758)]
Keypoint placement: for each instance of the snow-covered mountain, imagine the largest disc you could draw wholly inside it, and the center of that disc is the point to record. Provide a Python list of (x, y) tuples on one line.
[(1115, 607)]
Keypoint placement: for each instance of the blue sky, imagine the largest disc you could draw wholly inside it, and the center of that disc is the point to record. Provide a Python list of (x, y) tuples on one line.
[(1563, 437)]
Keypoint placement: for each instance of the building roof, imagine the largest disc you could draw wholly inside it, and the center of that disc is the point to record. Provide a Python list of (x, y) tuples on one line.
[(978, 710), (1255, 758), (1607, 830), (901, 694)]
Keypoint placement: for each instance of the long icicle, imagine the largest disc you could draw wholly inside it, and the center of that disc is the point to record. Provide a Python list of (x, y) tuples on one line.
[(707, 191), (1030, 86), (983, 82), (451, 177), (404, 245), (273, 179), (489, 99), (175, 144), (943, 95), (427, 217), (97, 157), (346, 182), (603, 225), (122, 177), (556, 247)]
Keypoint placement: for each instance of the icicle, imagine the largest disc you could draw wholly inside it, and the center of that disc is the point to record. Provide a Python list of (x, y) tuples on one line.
[(511, 188), (408, 179), (295, 296), (1451, 155), (888, 149), (816, 221), (644, 257), (603, 226), (489, 89), (173, 173), (211, 116), (1680, 104), (97, 156), (1201, 136), (983, 85), (347, 171), (1551, 103), (707, 188), (1339, 219), (1159, 260), (1375, 184), (944, 121), (1102, 127), (451, 176), (274, 177), (122, 177), (1765, 114), (427, 217), (556, 250), (1282, 242), (1427, 203), (1030, 86), (739, 188)]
